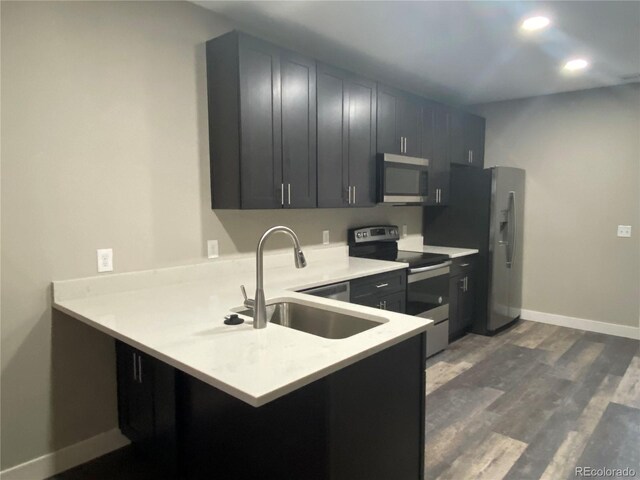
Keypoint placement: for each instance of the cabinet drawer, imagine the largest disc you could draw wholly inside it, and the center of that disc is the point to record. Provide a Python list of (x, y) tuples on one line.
[(462, 265), (379, 285)]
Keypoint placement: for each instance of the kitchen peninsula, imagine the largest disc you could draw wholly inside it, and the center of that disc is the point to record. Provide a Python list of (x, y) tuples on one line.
[(209, 399)]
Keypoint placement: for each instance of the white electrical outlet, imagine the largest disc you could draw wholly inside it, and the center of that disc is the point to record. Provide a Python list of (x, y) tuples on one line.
[(212, 249), (105, 260), (325, 237), (624, 230), (404, 231)]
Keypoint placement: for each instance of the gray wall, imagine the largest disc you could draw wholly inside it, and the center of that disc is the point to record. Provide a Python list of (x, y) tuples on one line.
[(581, 151), (104, 144)]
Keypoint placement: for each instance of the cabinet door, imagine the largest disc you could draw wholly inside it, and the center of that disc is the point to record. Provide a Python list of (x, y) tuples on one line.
[(474, 133), (396, 302), (467, 139), (333, 175), (428, 148), (346, 139), (409, 122), (260, 124), (467, 304), (298, 96), (455, 288), (360, 142), (135, 394), (388, 130), (441, 151), (457, 139)]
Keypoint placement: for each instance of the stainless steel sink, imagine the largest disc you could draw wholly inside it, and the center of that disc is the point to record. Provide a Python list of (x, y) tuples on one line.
[(316, 321)]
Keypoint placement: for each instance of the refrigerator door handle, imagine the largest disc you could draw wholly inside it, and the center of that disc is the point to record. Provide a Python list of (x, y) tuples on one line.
[(512, 228), (515, 228)]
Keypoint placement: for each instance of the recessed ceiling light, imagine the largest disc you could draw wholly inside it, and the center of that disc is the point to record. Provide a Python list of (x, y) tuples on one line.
[(576, 64), (535, 23)]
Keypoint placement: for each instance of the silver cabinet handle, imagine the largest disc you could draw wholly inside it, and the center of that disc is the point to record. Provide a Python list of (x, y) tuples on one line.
[(405, 144), (401, 144), (139, 369), (385, 304), (465, 264), (289, 193), (349, 194), (380, 305), (282, 194), (382, 285), (135, 374), (354, 194)]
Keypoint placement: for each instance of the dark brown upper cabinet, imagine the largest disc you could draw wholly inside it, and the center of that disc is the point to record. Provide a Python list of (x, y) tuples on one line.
[(435, 142), (467, 139), (399, 119), (346, 107), (262, 124)]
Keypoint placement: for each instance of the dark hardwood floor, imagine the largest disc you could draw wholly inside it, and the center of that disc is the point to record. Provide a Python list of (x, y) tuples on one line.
[(533, 402)]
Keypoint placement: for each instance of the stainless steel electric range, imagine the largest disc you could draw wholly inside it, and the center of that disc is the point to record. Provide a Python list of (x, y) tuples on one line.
[(427, 277)]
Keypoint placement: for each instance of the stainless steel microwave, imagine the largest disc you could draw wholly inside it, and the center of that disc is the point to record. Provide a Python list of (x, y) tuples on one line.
[(402, 180)]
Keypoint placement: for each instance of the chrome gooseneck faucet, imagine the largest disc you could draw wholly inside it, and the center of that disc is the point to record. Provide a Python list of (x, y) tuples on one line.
[(258, 304)]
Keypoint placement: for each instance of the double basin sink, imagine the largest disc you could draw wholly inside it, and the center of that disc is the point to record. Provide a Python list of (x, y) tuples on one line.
[(328, 323)]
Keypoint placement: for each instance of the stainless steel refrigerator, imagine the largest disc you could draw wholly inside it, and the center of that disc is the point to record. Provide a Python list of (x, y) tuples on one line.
[(485, 211)]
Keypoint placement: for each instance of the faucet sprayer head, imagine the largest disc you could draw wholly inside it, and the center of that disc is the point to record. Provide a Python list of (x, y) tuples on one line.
[(298, 256)]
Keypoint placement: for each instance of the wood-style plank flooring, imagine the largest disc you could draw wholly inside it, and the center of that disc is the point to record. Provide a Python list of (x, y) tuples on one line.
[(533, 402)]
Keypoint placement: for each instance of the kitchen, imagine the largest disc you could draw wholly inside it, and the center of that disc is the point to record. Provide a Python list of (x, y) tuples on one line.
[(106, 136)]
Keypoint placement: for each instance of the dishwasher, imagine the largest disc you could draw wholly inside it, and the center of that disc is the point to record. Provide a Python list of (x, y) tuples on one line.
[(336, 291)]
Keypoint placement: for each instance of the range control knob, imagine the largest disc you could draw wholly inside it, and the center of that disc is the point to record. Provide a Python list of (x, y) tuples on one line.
[(359, 235)]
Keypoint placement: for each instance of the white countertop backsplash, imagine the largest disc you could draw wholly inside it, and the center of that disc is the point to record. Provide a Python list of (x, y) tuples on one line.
[(176, 315)]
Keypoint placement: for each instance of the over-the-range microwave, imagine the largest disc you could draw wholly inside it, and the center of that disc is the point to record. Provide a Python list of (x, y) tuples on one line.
[(402, 180)]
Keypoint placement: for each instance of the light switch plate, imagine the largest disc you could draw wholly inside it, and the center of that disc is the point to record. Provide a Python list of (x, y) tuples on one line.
[(624, 230), (105, 260), (325, 237), (212, 249)]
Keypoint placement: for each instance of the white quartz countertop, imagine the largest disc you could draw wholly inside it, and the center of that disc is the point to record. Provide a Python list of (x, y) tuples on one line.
[(176, 315), (451, 251)]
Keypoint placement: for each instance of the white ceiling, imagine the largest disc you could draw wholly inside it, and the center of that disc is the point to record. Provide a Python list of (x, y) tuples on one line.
[(465, 52)]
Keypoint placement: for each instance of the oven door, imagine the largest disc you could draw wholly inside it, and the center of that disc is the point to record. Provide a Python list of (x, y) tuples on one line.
[(403, 180), (428, 292)]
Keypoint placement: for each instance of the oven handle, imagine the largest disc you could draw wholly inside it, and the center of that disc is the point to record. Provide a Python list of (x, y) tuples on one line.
[(432, 267)]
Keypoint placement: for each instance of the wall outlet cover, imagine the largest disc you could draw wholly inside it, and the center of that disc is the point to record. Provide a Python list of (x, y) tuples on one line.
[(212, 249), (105, 260), (624, 230), (325, 237), (404, 231)]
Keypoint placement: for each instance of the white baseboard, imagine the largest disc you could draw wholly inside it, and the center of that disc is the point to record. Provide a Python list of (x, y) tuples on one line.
[(66, 458), (582, 324)]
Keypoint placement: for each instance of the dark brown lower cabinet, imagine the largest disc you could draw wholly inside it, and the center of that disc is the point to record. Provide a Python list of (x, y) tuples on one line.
[(365, 421), (461, 297), (147, 405), (386, 291)]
